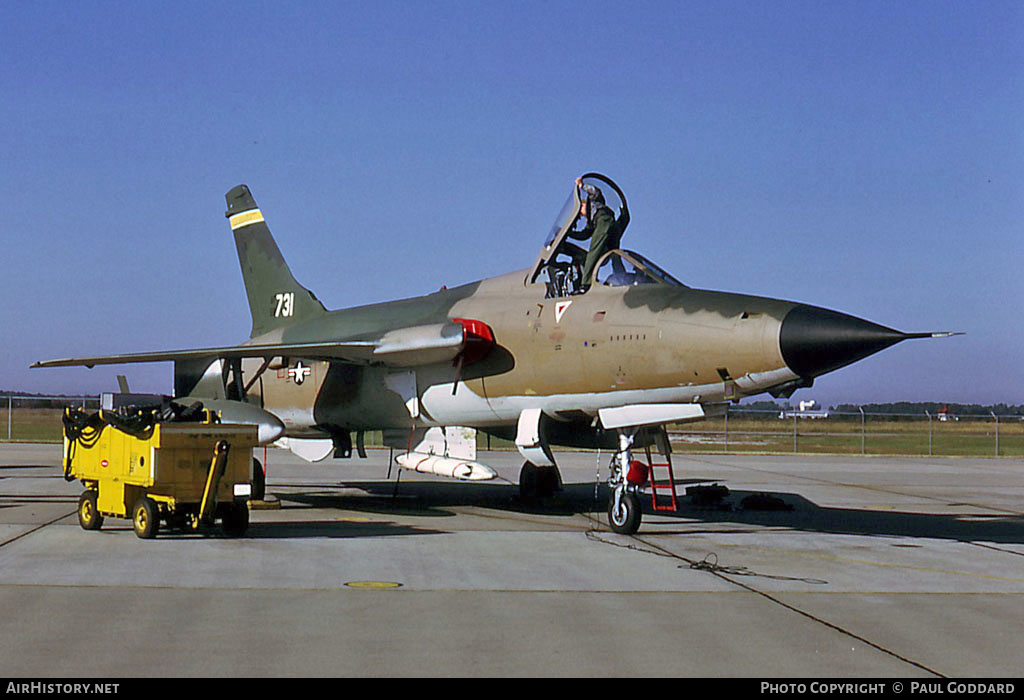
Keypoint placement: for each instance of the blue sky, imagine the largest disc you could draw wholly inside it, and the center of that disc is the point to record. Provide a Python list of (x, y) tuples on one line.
[(863, 156)]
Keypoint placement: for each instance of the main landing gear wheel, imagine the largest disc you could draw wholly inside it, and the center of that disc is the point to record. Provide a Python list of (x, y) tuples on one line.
[(537, 482), (259, 481), (145, 518), (88, 514), (625, 519)]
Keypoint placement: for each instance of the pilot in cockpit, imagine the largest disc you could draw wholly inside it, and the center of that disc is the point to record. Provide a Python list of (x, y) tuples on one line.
[(602, 228)]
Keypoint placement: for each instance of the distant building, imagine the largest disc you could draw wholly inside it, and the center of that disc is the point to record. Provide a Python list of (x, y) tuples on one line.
[(806, 409)]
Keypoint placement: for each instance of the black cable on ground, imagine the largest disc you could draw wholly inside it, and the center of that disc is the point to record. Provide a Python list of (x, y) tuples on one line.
[(724, 573)]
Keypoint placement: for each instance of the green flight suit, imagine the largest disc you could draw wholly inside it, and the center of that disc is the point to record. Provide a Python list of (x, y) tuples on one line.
[(607, 235)]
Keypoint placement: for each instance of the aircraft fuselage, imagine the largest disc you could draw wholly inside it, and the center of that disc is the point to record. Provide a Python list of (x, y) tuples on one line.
[(610, 346)]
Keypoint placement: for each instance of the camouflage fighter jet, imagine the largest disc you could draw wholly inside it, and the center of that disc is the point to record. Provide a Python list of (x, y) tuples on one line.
[(539, 356)]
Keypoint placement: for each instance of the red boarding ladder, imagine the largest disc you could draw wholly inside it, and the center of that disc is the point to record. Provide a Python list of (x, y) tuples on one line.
[(667, 487)]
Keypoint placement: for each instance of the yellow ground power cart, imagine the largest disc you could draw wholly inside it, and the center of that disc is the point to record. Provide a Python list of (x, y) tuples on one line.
[(171, 464)]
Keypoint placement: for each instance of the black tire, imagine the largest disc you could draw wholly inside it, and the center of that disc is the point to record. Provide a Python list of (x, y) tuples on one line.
[(627, 520), (538, 482), (145, 518), (528, 482), (235, 520), (259, 481), (88, 514), (548, 481)]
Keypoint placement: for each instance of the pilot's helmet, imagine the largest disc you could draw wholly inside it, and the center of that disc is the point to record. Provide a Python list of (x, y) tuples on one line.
[(595, 198)]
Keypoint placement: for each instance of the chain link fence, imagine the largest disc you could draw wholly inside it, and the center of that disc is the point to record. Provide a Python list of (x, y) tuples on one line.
[(739, 430), (38, 418), (819, 432)]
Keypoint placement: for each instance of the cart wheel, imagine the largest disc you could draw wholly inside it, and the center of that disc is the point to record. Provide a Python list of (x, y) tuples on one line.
[(88, 514), (235, 521), (145, 518)]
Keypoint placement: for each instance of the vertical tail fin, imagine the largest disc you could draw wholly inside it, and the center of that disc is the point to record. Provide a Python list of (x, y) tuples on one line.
[(275, 298)]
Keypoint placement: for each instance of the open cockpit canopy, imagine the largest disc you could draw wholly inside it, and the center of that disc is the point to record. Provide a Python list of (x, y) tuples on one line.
[(571, 224), (569, 220), (560, 262)]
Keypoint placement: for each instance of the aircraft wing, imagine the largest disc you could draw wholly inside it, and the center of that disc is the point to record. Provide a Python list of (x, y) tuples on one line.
[(402, 347)]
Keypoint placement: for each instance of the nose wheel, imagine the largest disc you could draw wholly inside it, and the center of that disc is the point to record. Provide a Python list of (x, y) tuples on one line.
[(624, 513), (624, 510)]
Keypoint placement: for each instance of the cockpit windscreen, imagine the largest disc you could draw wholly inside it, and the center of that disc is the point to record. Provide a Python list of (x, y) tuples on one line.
[(628, 269)]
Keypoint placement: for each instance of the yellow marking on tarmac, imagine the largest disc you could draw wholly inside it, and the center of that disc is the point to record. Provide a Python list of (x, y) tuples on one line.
[(373, 584), (252, 216)]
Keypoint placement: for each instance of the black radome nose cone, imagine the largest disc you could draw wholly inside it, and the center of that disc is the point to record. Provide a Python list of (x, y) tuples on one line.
[(815, 341)]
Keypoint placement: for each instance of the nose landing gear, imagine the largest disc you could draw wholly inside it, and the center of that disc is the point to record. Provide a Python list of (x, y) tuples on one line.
[(624, 510)]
